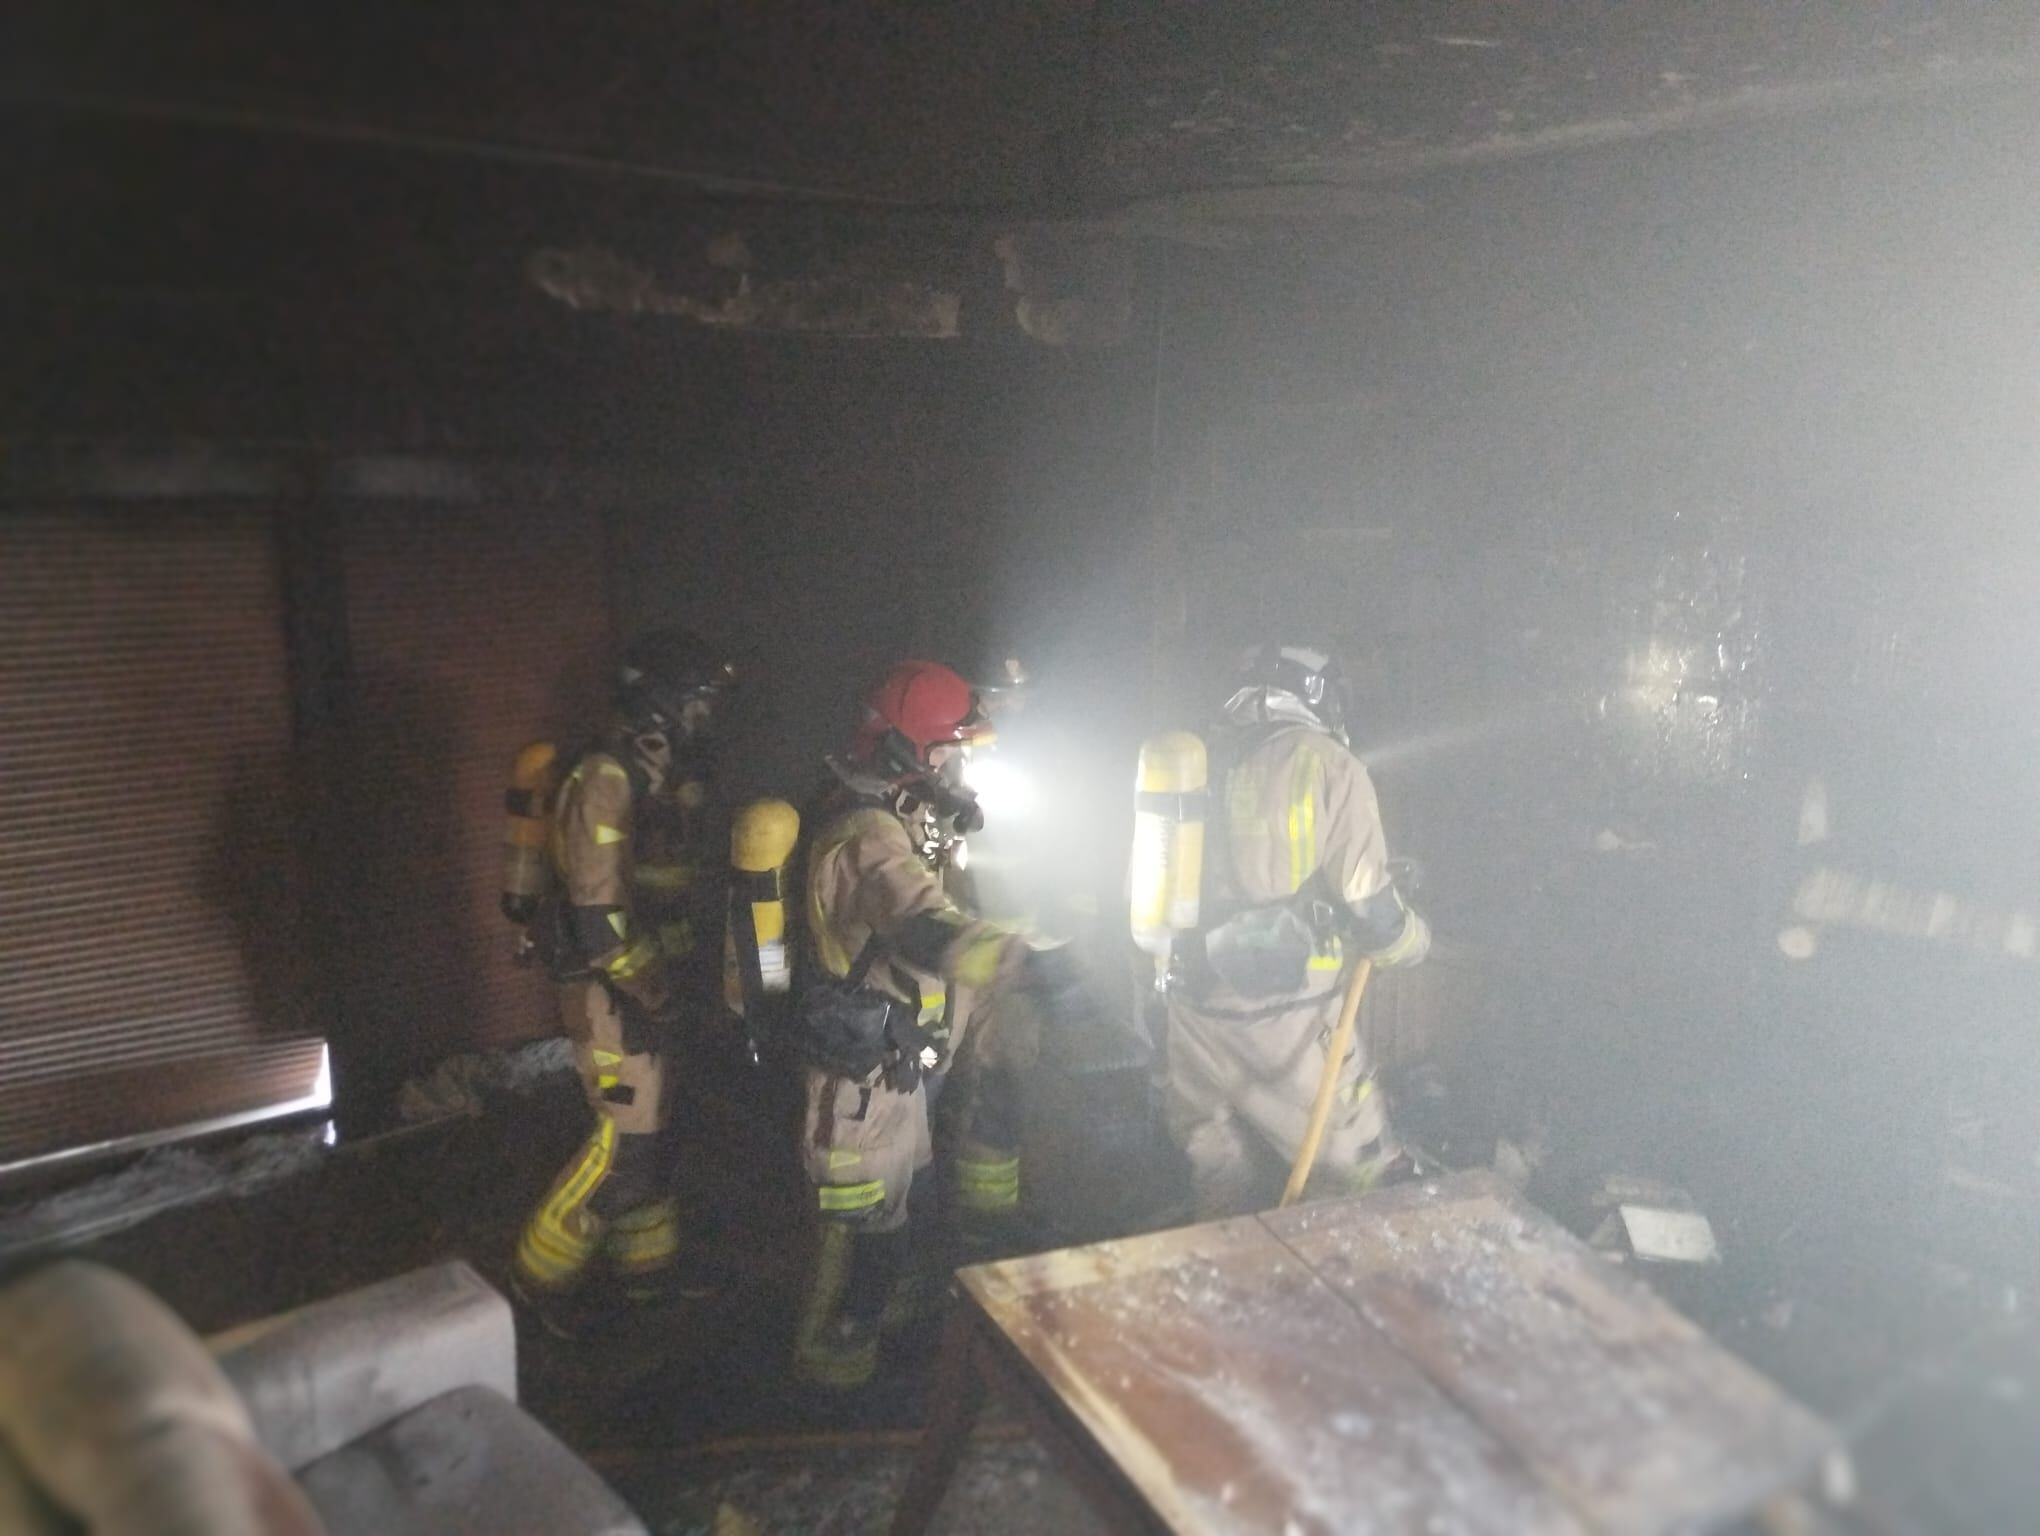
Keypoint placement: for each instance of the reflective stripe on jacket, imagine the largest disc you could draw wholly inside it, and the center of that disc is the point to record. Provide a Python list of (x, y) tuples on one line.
[(641, 876), (1300, 818), (866, 876)]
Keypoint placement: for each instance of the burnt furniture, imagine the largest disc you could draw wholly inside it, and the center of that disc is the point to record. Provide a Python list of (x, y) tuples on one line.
[(1437, 1356), (385, 1411)]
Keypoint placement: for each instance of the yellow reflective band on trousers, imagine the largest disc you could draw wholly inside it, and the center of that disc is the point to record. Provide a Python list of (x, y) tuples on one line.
[(562, 1234), (645, 1239), (838, 1199), (605, 835), (634, 959), (986, 1184)]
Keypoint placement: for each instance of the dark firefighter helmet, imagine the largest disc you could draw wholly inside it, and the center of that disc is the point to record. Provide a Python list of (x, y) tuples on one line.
[(1274, 683), (664, 672)]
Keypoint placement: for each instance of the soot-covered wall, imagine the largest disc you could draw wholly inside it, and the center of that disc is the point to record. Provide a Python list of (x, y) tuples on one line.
[(1678, 509), (863, 501), (262, 314)]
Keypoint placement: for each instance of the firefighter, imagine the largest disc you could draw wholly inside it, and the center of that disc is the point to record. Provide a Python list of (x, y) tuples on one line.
[(637, 854), (1295, 883), (879, 918)]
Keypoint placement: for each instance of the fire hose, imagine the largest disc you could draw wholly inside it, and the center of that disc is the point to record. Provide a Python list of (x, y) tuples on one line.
[(1328, 1084)]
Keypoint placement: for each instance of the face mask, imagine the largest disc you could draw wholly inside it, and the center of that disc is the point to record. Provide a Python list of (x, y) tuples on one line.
[(654, 754), (957, 808), (950, 811), (697, 720), (955, 803)]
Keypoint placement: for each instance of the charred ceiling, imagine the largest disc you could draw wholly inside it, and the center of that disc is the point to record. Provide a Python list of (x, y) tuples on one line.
[(1318, 90), (206, 194), (1035, 105)]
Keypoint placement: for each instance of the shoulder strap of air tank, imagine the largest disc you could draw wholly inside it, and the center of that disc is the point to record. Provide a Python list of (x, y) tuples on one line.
[(860, 968), (1224, 751)]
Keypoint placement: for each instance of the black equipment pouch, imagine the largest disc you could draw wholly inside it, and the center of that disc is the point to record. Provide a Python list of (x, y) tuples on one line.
[(847, 1028), (1255, 952), (1261, 952), (552, 943), (906, 1039)]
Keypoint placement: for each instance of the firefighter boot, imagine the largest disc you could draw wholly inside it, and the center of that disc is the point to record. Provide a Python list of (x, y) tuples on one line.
[(986, 1171), (917, 1294), (837, 1346), (564, 1233), (610, 1199), (643, 1249), (1378, 1164), (641, 1220)]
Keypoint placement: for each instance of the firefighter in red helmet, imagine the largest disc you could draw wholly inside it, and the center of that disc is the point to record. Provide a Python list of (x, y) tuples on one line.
[(886, 943)]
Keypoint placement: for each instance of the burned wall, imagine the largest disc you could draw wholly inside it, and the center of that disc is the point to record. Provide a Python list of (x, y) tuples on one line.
[(374, 349), (1675, 507), (868, 501)]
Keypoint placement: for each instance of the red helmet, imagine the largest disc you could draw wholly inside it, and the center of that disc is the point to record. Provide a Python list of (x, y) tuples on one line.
[(916, 706)]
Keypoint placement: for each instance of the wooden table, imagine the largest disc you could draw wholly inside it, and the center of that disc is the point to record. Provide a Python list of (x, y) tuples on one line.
[(1440, 1357)]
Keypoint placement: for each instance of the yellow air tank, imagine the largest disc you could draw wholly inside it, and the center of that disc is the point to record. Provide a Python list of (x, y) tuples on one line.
[(534, 777), (1168, 839), (756, 959)]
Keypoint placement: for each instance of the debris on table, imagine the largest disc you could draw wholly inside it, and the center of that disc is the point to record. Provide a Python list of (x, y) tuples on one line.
[(1653, 1223)]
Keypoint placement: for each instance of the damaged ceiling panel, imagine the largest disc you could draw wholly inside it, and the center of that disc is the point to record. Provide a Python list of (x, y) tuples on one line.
[(840, 304), (1062, 285)]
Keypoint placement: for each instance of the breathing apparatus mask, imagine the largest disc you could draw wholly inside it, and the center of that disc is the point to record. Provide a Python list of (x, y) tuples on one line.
[(936, 790), (1290, 684), (668, 692), (674, 748)]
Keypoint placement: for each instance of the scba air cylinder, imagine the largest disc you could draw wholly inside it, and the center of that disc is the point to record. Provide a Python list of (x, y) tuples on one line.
[(756, 962), (1168, 839)]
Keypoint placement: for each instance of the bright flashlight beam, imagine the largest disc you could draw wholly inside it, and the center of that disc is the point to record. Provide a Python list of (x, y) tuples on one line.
[(1004, 792)]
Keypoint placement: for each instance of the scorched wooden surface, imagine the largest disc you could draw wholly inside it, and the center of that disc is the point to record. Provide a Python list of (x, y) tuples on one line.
[(1438, 1358)]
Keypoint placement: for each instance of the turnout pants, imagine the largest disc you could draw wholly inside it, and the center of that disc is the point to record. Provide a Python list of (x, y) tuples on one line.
[(869, 1152), (1239, 1098), (614, 1199)]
